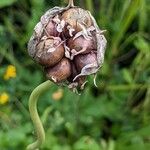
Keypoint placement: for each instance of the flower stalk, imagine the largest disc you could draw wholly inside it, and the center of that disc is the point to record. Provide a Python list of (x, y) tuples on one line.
[(37, 92), (71, 3)]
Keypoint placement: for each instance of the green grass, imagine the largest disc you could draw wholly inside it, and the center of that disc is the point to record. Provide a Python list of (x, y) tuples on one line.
[(114, 116)]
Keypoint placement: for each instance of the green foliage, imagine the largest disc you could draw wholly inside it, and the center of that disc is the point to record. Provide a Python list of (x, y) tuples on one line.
[(4, 3), (114, 116)]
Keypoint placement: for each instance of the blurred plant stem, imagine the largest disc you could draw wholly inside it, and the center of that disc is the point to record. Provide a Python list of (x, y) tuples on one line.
[(89, 5), (6, 118), (110, 8), (71, 3), (34, 114), (125, 22), (127, 87), (9, 56)]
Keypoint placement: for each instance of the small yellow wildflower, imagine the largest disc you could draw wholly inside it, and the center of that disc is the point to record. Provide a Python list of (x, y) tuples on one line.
[(57, 95), (10, 72), (4, 97)]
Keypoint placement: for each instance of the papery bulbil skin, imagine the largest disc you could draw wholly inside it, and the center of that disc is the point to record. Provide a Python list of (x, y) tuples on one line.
[(49, 52), (74, 72), (50, 29), (77, 18), (82, 44), (80, 81), (60, 71), (83, 60)]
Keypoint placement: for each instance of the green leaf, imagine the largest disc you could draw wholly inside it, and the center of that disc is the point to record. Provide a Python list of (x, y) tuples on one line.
[(89, 5), (127, 76), (142, 45), (125, 22), (86, 143), (4, 3)]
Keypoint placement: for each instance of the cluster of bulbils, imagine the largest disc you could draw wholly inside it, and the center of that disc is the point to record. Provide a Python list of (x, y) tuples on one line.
[(68, 43)]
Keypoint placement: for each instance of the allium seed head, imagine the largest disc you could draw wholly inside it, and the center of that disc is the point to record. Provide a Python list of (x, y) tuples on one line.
[(68, 43)]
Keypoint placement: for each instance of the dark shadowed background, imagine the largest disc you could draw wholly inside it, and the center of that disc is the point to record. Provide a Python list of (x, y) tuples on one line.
[(114, 116)]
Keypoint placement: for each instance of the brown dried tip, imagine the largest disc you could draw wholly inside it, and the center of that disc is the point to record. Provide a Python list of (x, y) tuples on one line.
[(68, 43)]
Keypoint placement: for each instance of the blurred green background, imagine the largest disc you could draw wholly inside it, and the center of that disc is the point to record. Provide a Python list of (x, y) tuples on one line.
[(114, 116)]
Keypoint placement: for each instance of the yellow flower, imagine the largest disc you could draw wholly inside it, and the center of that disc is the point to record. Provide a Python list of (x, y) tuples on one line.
[(4, 97), (10, 72), (57, 95)]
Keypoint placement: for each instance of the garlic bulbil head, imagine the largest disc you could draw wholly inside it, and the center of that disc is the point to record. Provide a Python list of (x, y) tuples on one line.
[(69, 45)]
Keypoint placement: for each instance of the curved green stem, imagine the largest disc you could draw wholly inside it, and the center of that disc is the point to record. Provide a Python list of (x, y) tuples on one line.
[(34, 115)]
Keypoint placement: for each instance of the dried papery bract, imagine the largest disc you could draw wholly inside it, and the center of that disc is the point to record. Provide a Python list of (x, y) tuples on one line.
[(71, 34)]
